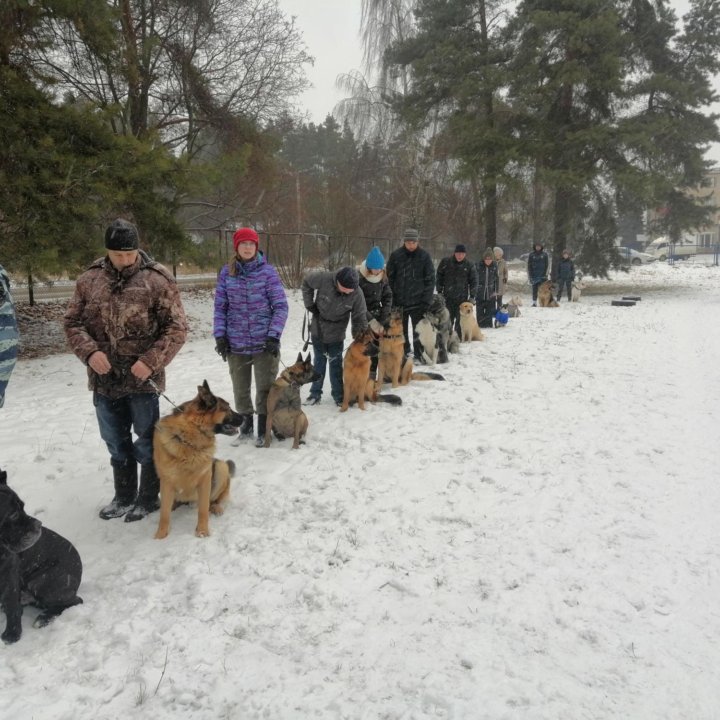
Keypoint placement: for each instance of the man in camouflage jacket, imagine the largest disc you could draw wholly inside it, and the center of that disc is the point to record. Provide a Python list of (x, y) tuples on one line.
[(126, 323)]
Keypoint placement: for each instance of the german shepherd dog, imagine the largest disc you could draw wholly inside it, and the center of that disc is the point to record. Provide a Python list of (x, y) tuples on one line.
[(284, 415), (393, 366), (356, 368), (469, 328), (545, 295), (183, 449)]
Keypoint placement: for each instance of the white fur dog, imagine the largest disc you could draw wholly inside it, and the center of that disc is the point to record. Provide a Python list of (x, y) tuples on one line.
[(469, 328), (428, 336), (514, 306), (577, 288)]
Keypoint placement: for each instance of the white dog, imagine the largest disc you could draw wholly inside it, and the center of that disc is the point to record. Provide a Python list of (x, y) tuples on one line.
[(428, 337), (577, 288), (514, 306)]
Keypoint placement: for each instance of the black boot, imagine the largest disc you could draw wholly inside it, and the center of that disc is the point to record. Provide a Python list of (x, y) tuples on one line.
[(125, 479), (262, 421), (245, 432), (147, 498)]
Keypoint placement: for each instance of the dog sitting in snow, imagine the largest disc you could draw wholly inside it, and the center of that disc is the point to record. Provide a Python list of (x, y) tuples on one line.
[(513, 307), (445, 338), (545, 295), (469, 328), (577, 287)]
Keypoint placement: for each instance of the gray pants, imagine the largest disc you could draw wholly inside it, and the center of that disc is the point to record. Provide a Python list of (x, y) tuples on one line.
[(241, 368)]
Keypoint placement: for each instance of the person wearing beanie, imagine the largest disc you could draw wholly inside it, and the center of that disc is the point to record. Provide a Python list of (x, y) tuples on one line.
[(249, 317), (457, 282), (378, 296), (502, 268), (566, 275), (333, 299), (538, 264), (126, 322), (487, 289), (411, 275)]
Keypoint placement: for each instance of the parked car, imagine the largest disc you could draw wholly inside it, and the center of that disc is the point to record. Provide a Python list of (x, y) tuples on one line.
[(662, 248), (628, 256)]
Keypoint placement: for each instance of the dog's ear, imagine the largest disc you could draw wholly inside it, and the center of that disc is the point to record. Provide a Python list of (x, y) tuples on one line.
[(3, 477), (299, 358), (207, 399), (307, 359)]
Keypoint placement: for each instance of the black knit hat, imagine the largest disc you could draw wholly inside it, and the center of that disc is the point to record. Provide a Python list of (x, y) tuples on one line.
[(460, 248), (347, 277), (121, 235)]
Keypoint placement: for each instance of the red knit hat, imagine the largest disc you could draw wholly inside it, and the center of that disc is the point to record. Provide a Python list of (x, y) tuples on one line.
[(245, 235)]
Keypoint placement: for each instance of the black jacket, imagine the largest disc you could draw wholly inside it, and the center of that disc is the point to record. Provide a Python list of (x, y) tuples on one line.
[(456, 281), (378, 296), (412, 278), (537, 265), (566, 269), (487, 281)]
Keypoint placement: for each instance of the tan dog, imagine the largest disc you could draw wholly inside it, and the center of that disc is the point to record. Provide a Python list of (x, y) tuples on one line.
[(469, 328), (284, 414), (356, 368), (183, 448), (545, 295)]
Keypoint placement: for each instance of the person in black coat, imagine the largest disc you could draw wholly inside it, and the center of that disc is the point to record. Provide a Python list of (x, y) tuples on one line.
[(537, 266), (411, 275), (456, 282), (566, 275), (378, 295), (487, 289)]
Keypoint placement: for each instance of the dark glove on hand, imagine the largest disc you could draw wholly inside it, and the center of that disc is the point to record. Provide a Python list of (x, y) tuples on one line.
[(272, 346), (222, 347), (313, 309)]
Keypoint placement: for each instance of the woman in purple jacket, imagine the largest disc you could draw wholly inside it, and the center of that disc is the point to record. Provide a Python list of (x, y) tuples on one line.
[(250, 314)]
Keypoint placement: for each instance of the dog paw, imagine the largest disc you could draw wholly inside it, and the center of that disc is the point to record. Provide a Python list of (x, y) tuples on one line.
[(10, 637), (161, 534), (202, 532), (217, 509)]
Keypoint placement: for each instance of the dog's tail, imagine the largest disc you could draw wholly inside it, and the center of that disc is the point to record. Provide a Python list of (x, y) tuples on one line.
[(390, 399), (229, 463), (426, 376)]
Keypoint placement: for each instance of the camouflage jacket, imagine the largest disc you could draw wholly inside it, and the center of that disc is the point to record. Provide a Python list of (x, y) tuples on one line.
[(132, 314)]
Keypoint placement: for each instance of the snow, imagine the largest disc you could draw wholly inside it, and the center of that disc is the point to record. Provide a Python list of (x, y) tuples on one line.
[(536, 537)]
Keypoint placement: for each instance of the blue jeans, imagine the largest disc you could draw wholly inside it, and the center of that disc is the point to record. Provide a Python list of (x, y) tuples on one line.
[(117, 417), (322, 352)]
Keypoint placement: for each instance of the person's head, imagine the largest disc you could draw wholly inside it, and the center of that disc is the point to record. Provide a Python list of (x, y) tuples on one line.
[(121, 243), (498, 252), (488, 256), (460, 252), (538, 246), (245, 242), (566, 253), (410, 239), (375, 261), (347, 280)]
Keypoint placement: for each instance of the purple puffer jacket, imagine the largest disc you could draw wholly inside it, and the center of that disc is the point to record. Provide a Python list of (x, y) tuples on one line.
[(250, 306)]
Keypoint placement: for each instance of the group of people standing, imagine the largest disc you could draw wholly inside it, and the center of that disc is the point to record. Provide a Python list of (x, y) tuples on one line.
[(126, 323), (538, 267)]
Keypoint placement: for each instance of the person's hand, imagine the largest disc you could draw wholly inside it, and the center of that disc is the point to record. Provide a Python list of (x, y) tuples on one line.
[(272, 346), (140, 370), (313, 309), (222, 347), (99, 362)]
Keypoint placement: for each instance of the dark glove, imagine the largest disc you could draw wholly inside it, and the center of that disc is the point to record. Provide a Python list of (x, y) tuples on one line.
[(222, 347), (272, 346), (313, 309)]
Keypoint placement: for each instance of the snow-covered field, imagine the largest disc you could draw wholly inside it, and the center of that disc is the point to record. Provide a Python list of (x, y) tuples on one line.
[(536, 537)]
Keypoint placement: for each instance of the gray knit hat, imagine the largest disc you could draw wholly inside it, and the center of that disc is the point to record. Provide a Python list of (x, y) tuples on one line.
[(411, 234), (348, 277)]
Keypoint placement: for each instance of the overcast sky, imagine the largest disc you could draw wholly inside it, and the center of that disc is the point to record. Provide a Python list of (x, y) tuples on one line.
[(331, 32)]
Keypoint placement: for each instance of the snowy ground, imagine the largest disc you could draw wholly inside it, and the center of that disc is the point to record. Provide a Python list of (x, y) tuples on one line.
[(537, 537)]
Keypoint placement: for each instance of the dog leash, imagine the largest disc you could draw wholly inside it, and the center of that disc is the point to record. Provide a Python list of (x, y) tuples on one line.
[(158, 391), (305, 327)]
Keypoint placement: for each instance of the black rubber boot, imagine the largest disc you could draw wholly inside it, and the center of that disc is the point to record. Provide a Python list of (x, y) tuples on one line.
[(245, 431), (262, 421), (147, 498), (125, 479)]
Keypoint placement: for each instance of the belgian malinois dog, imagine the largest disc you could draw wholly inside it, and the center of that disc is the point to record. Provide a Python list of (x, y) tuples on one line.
[(183, 449), (284, 414)]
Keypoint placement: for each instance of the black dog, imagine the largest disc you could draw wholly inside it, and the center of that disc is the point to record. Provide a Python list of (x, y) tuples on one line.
[(37, 566)]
